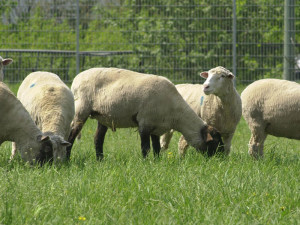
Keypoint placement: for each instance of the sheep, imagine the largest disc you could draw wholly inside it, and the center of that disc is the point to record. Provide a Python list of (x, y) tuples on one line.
[(17, 125), (216, 102), (271, 106), (3, 62), (119, 98), (50, 104)]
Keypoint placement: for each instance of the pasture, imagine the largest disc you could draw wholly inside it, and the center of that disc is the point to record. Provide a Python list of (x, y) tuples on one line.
[(124, 188)]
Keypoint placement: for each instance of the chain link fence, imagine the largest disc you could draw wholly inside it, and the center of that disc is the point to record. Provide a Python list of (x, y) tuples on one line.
[(176, 39)]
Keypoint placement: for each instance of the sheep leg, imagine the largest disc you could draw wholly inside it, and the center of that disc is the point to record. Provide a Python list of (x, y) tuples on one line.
[(13, 151), (73, 134), (165, 140), (155, 145), (99, 140), (145, 142), (256, 143), (182, 146), (227, 143)]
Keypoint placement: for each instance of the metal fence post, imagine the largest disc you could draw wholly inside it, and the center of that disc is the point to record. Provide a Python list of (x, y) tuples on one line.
[(77, 36), (234, 39), (289, 37)]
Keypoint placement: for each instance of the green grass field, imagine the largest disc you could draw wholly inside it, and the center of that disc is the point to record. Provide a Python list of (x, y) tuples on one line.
[(126, 189)]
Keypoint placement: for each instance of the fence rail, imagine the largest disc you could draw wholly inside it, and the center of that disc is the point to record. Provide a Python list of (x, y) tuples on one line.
[(170, 38), (36, 58)]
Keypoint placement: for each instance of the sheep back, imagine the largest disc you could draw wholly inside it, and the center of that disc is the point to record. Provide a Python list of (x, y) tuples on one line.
[(274, 105), (121, 98), (13, 116), (49, 101)]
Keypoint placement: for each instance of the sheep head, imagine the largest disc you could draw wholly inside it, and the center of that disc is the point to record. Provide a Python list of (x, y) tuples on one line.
[(217, 79), (59, 145), (212, 141)]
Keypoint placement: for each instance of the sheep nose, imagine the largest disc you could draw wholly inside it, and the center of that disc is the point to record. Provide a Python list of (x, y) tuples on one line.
[(205, 86)]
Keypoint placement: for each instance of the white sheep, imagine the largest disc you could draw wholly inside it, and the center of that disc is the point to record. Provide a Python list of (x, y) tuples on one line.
[(3, 62), (271, 106), (17, 125), (216, 102), (120, 98), (50, 104)]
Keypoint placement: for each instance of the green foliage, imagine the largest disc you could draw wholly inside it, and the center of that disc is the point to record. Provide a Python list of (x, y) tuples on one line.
[(39, 33), (166, 37), (260, 37), (175, 41)]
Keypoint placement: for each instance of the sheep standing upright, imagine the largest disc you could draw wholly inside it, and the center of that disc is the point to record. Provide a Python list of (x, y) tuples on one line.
[(120, 98), (51, 105), (216, 102), (271, 106), (17, 125), (4, 62)]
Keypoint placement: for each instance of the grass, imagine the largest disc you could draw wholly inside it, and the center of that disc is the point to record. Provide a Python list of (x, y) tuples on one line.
[(126, 189)]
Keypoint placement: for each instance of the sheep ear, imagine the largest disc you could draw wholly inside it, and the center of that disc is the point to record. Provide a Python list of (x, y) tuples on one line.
[(209, 137), (205, 132), (204, 74), (230, 75), (7, 61), (65, 143), (43, 138)]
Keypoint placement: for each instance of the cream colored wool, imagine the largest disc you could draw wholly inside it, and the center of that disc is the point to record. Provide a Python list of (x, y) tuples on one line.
[(271, 106), (50, 104), (120, 98), (17, 125), (221, 108)]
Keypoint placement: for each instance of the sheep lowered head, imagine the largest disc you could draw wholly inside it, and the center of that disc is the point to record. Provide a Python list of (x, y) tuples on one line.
[(213, 142), (47, 148), (216, 80), (43, 150), (59, 146)]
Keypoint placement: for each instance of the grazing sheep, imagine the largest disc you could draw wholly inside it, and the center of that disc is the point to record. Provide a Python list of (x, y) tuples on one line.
[(216, 102), (271, 106), (50, 104), (120, 98), (3, 62), (17, 125)]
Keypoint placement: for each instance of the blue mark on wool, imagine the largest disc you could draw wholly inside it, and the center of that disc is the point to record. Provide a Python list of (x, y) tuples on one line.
[(32, 85), (201, 100)]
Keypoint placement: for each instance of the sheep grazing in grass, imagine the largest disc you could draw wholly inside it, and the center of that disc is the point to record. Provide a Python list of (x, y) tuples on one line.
[(17, 125), (51, 105), (120, 98), (3, 62), (216, 102), (271, 106)]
